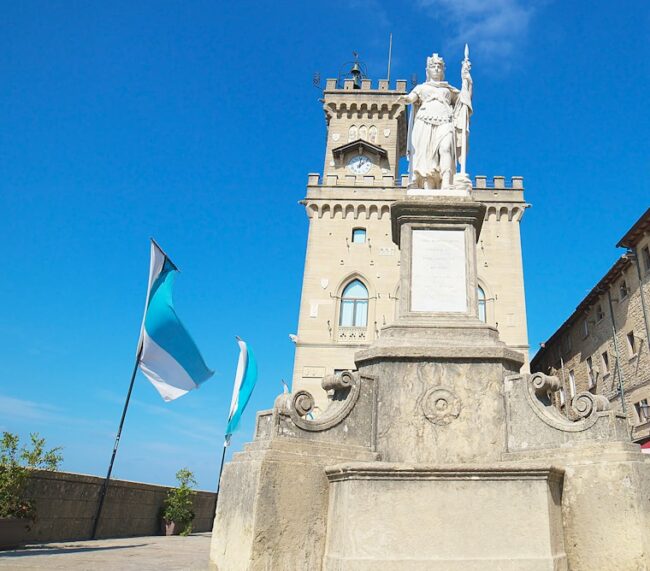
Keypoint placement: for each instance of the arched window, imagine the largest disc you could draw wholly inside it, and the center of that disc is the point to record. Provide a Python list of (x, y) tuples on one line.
[(480, 294), (363, 132), (354, 305), (358, 235), (372, 134), (352, 133)]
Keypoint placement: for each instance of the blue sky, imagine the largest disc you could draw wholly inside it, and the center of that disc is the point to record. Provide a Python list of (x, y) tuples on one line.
[(197, 123)]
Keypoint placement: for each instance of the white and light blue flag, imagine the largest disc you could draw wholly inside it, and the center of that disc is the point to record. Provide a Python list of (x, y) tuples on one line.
[(169, 358), (245, 380)]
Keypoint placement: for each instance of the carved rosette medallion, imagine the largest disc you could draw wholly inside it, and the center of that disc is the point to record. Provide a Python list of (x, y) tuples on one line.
[(440, 406)]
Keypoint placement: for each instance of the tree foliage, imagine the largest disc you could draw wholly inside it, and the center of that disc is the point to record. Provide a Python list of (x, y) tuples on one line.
[(180, 501), (16, 463)]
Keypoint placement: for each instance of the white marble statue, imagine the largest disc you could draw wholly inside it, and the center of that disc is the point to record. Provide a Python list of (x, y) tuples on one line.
[(438, 127)]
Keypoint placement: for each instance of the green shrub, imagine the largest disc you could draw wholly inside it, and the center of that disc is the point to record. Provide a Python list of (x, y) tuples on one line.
[(180, 501), (15, 466)]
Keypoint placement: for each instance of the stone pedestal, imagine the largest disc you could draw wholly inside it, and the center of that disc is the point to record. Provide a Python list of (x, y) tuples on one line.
[(605, 501), (437, 239), (439, 369), (444, 518), (272, 509), (439, 408)]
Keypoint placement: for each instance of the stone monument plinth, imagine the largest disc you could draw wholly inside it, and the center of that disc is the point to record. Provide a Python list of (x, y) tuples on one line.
[(439, 369)]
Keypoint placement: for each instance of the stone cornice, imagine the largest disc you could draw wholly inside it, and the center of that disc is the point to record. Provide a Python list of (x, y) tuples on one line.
[(401, 471), (440, 210), (634, 235), (434, 352)]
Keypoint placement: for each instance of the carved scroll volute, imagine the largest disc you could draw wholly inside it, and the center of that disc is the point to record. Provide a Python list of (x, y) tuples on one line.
[(586, 407), (585, 404), (303, 403), (297, 406), (544, 384), (338, 382)]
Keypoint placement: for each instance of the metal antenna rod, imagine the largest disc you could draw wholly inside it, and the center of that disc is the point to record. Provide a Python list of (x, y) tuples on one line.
[(390, 55)]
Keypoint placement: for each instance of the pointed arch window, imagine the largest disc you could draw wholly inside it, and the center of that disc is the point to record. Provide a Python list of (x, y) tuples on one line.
[(354, 305), (363, 132), (480, 294), (372, 134), (352, 133)]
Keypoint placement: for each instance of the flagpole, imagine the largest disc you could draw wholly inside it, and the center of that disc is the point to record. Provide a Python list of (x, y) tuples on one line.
[(242, 381), (104, 489), (226, 438), (223, 457)]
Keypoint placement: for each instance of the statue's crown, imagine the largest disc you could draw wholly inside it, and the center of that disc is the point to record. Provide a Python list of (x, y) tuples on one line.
[(435, 58)]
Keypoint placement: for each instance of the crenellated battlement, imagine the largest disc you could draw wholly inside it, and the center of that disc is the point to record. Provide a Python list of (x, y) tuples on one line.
[(479, 182), (498, 182), (382, 86)]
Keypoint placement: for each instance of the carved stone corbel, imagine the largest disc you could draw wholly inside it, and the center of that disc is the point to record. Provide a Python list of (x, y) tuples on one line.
[(346, 389), (585, 405)]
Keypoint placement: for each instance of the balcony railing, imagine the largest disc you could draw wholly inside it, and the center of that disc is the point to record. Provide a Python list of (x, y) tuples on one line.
[(352, 334)]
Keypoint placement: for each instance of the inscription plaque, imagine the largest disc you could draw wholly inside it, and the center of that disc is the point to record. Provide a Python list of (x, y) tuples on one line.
[(438, 275), (313, 372)]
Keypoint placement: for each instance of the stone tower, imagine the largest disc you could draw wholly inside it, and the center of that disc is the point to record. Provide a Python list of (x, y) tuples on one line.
[(350, 286)]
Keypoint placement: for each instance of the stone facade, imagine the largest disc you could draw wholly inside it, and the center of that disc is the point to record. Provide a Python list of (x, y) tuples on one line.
[(342, 200), (603, 346)]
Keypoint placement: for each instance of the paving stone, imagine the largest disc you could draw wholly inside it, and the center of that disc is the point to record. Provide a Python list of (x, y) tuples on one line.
[(130, 553)]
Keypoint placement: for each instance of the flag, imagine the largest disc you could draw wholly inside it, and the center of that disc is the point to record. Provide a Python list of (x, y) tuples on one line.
[(245, 380), (169, 357)]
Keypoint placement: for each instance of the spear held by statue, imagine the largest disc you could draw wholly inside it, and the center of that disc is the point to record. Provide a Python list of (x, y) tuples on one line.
[(464, 111)]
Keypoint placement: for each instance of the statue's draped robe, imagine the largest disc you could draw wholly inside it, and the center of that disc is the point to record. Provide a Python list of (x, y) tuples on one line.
[(439, 111)]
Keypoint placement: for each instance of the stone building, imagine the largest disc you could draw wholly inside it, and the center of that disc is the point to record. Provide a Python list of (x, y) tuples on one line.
[(350, 286), (604, 347)]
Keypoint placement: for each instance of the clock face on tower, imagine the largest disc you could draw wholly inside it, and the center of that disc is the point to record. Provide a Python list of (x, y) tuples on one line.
[(359, 164)]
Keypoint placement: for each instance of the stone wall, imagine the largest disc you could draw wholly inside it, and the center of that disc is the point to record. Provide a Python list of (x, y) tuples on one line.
[(66, 505)]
